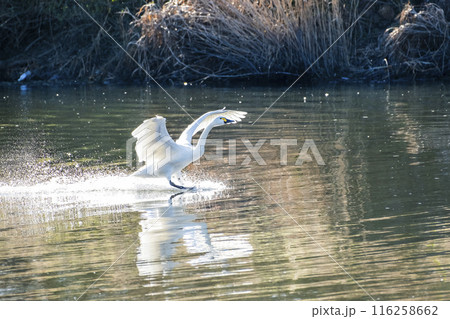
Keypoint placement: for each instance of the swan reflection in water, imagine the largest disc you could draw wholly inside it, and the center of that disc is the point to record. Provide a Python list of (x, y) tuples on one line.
[(165, 227)]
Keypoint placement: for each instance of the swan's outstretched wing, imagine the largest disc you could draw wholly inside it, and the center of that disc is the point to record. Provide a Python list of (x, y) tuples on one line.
[(204, 120), (152, 138)]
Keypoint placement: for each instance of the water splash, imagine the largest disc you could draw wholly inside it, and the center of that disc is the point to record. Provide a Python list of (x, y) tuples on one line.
[(95, 194)]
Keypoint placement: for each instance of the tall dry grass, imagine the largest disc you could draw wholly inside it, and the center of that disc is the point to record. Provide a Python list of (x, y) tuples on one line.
[(196, 39), (188, 40)]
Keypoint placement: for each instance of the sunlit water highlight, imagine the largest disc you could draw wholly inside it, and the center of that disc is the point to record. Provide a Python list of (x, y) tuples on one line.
[(93, 193)]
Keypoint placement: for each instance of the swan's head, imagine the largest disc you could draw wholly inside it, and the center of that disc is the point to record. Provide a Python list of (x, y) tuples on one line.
[(223, 120)]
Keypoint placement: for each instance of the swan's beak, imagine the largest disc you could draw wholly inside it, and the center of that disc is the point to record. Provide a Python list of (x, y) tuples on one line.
[(227, 121)]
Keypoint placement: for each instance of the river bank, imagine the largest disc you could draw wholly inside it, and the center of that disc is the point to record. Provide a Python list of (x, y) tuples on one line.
[(197, 40)]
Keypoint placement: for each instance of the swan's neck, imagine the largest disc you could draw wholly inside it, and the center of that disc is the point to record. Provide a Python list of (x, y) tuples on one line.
[(199, 149)]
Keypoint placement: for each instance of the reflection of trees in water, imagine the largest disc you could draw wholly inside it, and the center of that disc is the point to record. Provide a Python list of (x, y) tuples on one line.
[(385, 176), (55, 258), (377, 205)]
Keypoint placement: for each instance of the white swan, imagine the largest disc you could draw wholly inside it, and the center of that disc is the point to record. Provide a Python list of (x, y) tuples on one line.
[(164, 157)]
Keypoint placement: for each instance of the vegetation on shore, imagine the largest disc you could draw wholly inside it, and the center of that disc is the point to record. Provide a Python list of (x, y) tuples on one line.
[(194, 40)]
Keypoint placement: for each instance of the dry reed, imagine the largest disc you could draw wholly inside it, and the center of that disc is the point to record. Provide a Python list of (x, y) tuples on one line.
[(189, 40), (196, 39)]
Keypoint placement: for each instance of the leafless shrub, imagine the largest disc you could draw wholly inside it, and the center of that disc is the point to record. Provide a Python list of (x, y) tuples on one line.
[(421, 43)]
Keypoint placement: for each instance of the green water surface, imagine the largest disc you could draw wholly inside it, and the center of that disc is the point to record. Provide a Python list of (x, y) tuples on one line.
[(378, 208)]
